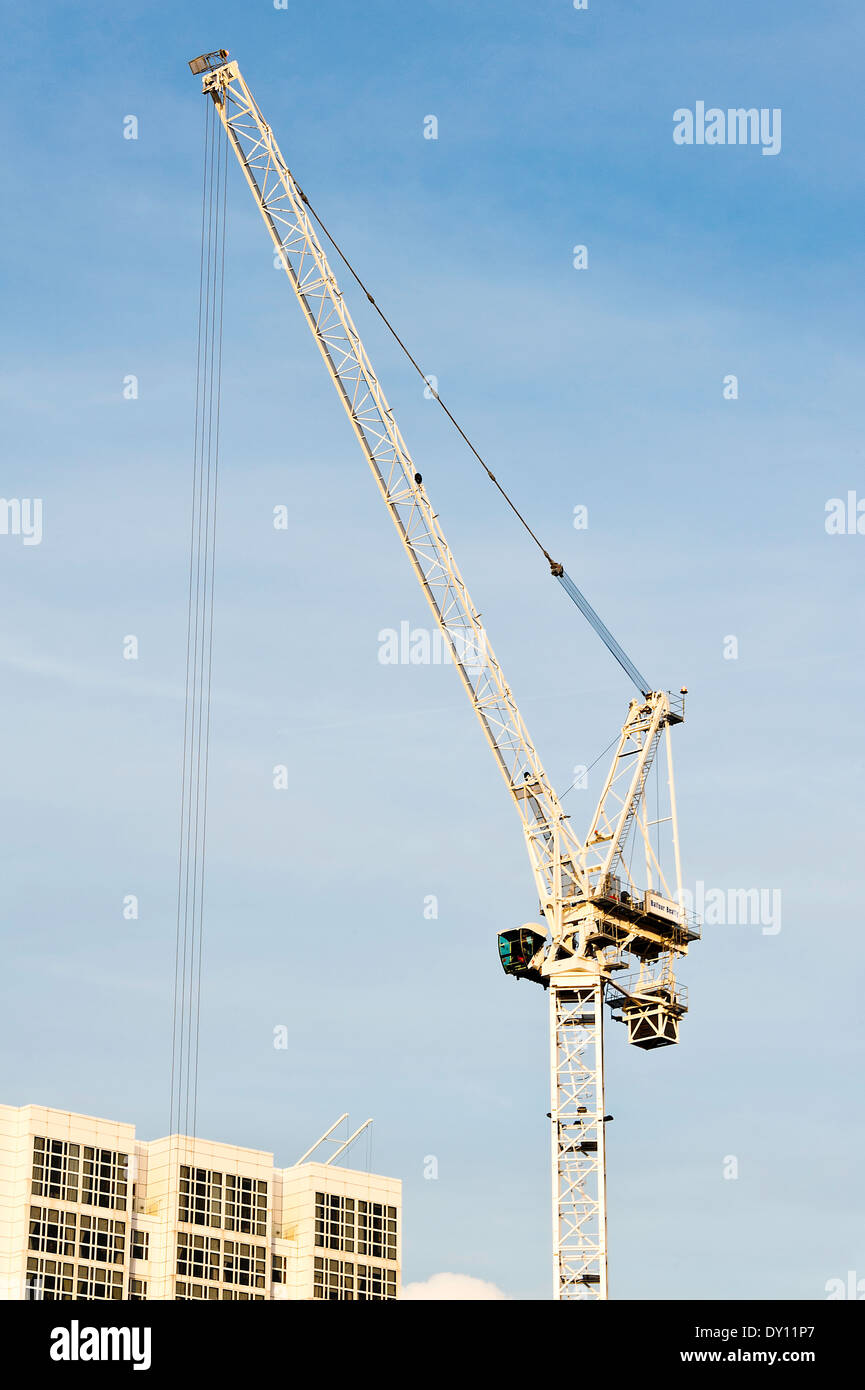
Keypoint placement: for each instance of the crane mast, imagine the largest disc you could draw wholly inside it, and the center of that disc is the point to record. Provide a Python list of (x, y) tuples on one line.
[(591, 922)]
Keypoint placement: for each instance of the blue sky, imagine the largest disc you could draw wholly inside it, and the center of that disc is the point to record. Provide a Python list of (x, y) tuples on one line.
[(600, 387)]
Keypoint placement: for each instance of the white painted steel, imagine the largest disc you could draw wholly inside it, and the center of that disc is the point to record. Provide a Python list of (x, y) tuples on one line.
[(568, 873)]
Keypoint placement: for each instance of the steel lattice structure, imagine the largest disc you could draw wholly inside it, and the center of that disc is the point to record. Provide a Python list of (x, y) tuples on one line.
[(578, 1158), (585, 935)]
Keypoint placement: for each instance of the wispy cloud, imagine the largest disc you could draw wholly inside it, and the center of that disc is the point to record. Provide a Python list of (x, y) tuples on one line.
[(454, 1287)]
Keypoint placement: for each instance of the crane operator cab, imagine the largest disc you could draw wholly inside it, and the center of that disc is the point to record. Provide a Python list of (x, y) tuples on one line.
[(516, 949)]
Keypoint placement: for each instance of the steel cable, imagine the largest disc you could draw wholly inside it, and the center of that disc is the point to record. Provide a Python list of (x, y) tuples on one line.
[(189, 939), (556, 569)]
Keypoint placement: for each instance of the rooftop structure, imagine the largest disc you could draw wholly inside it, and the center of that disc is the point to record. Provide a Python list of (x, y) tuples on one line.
[(87, 1211)]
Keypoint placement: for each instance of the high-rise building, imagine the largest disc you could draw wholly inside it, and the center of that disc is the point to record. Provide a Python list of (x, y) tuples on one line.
[(87, 1211)]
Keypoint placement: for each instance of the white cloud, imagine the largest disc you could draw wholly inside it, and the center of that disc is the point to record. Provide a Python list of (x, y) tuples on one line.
[(459, 1287)]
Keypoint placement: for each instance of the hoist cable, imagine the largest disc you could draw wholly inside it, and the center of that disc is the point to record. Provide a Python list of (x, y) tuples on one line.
[(196, 851), (181, 933), (189, 942), (217, 394)]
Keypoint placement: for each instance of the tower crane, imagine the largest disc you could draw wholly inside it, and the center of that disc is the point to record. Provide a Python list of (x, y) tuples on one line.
[(613, 924)]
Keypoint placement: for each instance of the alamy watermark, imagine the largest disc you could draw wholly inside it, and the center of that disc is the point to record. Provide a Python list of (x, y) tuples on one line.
[(845, 516), (22, 516), (735, 126), (852, 1287), (77, 1343), (735, 907), (417, 646)]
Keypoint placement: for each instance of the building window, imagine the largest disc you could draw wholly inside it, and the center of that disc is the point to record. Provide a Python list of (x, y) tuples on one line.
[(55, 1169), (52, 1230), (185, 1293), (104, 1178), (245, 1205), (200, 1196), (243, 1264), (332, 1279), (239, 1293), (374, 1282), (197, 1256), (102, 1239), (140, 1245), (137, 1290), (279, 1269), (376, 1230), (334, 1221), (49, 1279), (99, 1283)]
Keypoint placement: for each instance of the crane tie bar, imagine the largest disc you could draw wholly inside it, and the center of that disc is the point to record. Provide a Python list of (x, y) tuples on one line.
[(554, 567)]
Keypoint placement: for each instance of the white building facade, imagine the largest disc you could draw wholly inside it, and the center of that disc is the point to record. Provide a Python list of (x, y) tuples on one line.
[(87, 1211)]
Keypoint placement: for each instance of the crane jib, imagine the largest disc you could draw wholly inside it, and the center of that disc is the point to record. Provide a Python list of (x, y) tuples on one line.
[(594, 913), (211, 62)]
